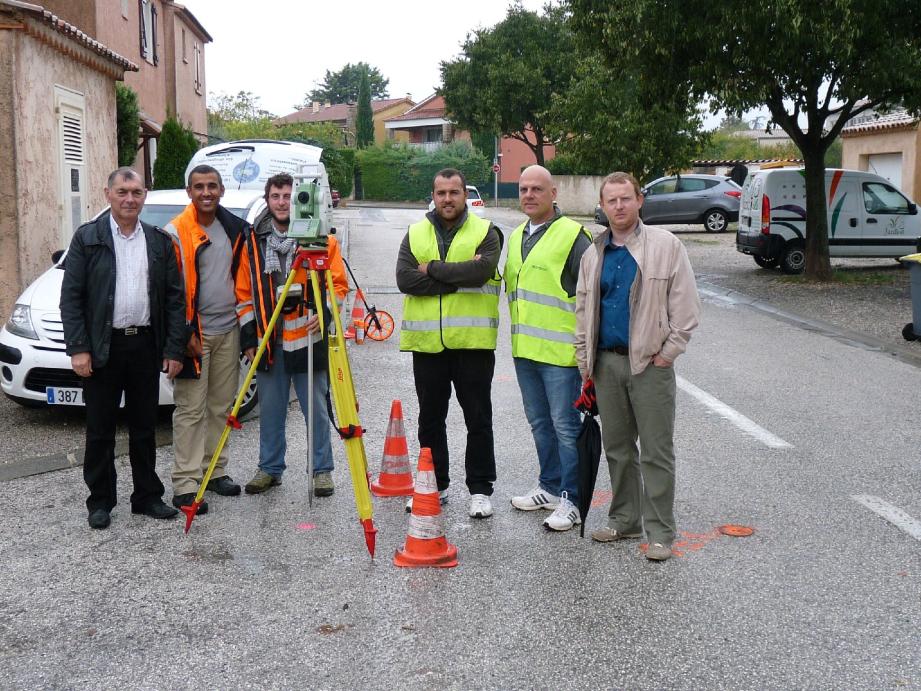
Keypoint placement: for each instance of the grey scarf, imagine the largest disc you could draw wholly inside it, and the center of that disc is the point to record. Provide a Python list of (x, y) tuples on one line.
[(279, 247)]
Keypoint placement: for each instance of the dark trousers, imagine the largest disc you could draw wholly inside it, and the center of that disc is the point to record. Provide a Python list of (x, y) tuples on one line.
[(133, 368), (470, 371)]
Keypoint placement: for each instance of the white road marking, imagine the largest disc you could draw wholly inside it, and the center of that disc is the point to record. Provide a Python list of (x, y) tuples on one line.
[(893, 514), (734, 416)]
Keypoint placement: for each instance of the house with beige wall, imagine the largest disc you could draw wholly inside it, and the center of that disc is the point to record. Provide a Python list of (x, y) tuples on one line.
[(886, 144), (167, 43), (57, 132)]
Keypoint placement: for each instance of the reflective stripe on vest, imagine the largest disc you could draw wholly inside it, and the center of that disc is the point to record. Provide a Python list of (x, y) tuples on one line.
[(543, 316), (464, 320)]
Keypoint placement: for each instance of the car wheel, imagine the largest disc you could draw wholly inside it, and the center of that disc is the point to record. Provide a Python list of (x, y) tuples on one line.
[(715, 221), (765, 262), (793, 258), (251, 397)]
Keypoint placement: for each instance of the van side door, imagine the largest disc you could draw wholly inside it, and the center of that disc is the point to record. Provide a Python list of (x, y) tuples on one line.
[(890, 221), (845, 216)]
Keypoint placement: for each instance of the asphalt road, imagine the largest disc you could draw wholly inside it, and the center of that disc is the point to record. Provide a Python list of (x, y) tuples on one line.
[(779, 428)]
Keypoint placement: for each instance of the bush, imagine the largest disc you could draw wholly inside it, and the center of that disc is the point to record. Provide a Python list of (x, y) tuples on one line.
[(175, 148), (128, 123), (403, 173)]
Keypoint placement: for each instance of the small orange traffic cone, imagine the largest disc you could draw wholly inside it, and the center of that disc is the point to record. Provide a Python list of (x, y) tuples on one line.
[(358, 318), (426, 544), (396, 477)]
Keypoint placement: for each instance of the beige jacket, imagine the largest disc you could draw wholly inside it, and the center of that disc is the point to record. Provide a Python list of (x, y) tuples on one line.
[(664, 305)]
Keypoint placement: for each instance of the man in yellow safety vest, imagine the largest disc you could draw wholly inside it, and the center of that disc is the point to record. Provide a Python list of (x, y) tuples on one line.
[(541, 272), (447, 270)]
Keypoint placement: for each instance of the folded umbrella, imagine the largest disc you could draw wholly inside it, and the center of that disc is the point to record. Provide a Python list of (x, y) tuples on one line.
[(588, 446)]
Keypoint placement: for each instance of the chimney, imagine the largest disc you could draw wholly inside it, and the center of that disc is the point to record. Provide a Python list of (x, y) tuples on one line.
[(409, 96), (315, 107), (327, 104)]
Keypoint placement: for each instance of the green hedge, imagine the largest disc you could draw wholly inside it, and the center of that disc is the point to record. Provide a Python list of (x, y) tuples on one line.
[(403, 173)]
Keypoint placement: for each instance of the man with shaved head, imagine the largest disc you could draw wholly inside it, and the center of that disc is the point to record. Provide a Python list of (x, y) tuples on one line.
[(541, 273)]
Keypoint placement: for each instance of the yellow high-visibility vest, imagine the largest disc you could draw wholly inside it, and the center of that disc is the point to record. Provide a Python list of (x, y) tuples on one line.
[(542, 313), (465, 320)]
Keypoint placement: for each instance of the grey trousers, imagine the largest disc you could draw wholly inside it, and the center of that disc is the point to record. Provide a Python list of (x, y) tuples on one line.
[(642, 479)]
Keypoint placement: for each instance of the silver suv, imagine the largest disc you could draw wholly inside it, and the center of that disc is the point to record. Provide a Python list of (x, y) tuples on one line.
[(712, 200)]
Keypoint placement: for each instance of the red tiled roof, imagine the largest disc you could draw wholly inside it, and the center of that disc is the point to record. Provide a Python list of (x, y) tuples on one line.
[(335, 113), (71, 32), (431, 107)]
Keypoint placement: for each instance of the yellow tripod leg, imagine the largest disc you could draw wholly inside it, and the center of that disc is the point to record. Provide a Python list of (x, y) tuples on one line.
[(192, 509), (346, 405)]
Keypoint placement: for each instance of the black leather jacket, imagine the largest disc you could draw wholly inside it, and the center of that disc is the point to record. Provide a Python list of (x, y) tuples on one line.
[(88, 292)]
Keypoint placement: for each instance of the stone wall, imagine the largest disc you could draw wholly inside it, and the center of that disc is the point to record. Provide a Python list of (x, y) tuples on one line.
[(577, 194), (41, 229), (9, 211)]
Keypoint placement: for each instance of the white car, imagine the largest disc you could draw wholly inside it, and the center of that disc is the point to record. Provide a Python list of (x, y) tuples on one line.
[(34, 367), (474, 201)]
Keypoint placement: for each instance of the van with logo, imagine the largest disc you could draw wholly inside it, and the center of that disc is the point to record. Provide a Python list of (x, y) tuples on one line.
[(867, 217), (246, 164)]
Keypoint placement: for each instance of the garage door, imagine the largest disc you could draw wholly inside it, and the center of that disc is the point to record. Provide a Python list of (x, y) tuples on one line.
[(888, 166)]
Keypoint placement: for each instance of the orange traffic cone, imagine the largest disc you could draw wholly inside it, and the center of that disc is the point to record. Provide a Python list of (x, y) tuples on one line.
[(358, 318), (396, 477), (426, 544)]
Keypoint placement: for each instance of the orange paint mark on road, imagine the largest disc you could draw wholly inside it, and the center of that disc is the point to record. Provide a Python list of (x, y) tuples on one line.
[(601, 497), (306, 526)]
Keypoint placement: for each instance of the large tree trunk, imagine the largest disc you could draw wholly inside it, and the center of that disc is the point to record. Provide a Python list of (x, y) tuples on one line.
[(818, 266)]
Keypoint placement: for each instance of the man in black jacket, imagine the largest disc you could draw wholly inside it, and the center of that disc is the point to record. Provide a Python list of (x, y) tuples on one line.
[(123, 311)]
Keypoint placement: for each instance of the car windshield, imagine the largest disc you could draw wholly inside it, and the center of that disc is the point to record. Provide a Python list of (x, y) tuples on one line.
[(472, 194), (161, 214)]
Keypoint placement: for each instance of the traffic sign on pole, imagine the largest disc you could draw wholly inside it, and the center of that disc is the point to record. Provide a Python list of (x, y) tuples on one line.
[(495, 167)]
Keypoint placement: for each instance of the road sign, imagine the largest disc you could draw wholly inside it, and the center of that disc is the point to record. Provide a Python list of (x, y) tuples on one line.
[(495, 167)]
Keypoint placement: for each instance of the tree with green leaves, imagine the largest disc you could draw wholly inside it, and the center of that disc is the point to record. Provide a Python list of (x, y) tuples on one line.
[(127, 123), (364, 119), (828, 62), (175, 148), (224, 109), (506, 76), (342, 86), (628, 128)]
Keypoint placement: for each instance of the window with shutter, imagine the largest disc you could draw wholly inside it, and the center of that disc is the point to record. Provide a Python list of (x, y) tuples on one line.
[(72, 156), (153, 33)]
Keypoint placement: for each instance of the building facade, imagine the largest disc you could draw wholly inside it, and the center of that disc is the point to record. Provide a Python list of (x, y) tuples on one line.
[(886, 144), (58, 134), (167, 43)]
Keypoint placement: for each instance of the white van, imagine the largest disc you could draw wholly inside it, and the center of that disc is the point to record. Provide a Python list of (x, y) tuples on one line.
[(246, 164), (867, 217)]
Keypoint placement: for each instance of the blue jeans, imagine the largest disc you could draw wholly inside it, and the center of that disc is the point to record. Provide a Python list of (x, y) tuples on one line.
[(548, 392), (274, 387)]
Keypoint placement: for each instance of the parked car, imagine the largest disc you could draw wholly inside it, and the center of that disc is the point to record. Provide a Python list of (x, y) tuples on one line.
[(712, 200), (867, 217), (709, 199), (474, 201), (34, 367)]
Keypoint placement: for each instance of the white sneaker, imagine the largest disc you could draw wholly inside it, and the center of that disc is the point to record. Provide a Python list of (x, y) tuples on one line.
[(564, 517), (536, 499), (480, 506), (442, 497)]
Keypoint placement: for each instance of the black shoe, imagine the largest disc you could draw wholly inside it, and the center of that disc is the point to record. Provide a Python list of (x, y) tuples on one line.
[(224, 486), (180, 500), (99, 519), (155, 509)]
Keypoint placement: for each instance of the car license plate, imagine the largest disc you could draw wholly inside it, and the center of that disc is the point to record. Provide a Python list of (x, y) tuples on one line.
[(59, 395)]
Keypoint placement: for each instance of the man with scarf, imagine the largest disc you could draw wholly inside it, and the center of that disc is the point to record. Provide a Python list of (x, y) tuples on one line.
[(267, 257)]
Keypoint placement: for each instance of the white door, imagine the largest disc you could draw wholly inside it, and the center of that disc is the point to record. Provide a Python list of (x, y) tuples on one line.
[(888, 166)]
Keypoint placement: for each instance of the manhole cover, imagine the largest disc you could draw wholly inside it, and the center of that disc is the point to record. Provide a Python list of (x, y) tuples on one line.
[(736, 530)]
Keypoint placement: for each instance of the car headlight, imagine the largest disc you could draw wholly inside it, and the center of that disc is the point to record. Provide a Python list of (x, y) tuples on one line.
[(20, 322)]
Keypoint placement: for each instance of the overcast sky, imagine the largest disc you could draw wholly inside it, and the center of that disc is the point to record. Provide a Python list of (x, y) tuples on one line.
[(281, 49)]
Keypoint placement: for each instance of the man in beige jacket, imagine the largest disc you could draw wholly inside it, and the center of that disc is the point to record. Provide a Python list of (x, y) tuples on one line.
[(636, 305)]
